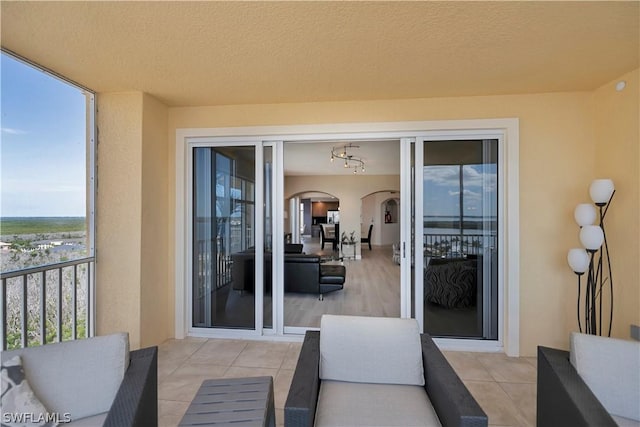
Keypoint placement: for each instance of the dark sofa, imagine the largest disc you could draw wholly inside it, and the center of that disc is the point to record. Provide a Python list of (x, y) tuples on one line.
[(302, 274), (306, 274)]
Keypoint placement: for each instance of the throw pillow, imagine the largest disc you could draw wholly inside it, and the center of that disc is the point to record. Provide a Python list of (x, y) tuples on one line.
[(451, 285), (20, 406)]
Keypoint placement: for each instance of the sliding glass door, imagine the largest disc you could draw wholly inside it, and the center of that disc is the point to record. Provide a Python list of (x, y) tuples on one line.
[(224, 233), (457, 193)]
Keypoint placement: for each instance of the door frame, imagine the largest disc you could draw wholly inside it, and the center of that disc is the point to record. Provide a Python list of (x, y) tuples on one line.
[(502, 215), (507, 127)]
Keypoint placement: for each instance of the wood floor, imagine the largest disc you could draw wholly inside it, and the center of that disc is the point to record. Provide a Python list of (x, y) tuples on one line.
[(371, 288)]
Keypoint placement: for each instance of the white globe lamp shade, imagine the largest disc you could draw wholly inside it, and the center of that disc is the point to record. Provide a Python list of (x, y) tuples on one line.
[(585, 214), (578, 260), (591, 237), (601, 191)]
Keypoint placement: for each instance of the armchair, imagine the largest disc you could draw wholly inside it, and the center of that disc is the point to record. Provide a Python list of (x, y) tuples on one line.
[(367, 371), (96, 381), (597, 383)]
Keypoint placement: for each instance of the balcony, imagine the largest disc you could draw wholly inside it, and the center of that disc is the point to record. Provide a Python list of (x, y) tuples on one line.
[(503, 386), (46, 304)]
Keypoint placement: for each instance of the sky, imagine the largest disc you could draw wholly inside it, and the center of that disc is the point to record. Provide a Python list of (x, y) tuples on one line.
[(442, 190), (42, 144)]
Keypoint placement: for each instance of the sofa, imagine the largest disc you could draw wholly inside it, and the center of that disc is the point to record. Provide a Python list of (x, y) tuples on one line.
[(371, 371), (88, 382), (307, 274), (596, 383), (303, 273)]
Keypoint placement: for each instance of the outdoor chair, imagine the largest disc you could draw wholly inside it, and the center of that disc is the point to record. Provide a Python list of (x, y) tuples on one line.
[(597, 383), (371, 371), (87, 382)]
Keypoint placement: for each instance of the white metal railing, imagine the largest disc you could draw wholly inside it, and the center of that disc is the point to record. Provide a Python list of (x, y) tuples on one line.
[(46, 304), (457, 245)]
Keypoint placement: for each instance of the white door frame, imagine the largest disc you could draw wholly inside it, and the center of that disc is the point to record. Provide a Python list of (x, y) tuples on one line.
[(500, 136), (508, 127)]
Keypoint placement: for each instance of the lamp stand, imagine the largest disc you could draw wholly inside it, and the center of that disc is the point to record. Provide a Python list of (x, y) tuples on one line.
[(597, 279)]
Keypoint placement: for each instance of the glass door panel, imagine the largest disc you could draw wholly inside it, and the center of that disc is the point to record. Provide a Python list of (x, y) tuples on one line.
[(459, 230), (268, 237), (223, 237)]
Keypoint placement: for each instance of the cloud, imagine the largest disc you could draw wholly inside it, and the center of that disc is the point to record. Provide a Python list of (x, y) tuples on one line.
[(467, 193), (442, 175), (474, 176), (12, 131)]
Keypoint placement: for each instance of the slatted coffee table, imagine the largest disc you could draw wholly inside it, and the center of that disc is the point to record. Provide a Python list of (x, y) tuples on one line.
[(232, 402)]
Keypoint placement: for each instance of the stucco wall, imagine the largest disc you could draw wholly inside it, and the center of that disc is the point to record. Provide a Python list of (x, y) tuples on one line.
[(562, 148), (132, 235), (154, 322), (118, 219), (553, 128), (616, 118)]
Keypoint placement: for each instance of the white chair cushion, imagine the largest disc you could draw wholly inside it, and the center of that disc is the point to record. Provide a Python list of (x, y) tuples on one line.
[(79, 377), (625, 422), (360, 404), (611, 369), (370, 350)]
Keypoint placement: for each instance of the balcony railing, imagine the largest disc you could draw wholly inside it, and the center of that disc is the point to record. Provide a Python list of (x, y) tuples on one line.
[(457, 245), (46, 304)]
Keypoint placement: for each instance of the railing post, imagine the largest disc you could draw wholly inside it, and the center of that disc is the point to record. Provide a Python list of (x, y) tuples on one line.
[(74, 293), (43, 308), (59, 309), (3, 307), (24, 312)]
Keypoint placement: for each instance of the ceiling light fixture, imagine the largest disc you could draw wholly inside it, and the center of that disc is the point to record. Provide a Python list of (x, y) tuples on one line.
[(350, 161)]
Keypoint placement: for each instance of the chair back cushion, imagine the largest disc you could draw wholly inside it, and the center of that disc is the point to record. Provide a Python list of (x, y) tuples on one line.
[(611, 369), (78, 377), (376, 350)]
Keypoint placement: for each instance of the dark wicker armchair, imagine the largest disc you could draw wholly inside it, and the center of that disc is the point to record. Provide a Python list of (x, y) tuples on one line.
[(451, 400), (92, 381), (563, 398), (136, 403)]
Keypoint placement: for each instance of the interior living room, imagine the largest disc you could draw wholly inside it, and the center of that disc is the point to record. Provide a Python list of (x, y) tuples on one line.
[(209, 137)]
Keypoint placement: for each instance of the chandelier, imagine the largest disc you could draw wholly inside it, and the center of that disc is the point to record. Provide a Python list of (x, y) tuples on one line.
[(350, 161)]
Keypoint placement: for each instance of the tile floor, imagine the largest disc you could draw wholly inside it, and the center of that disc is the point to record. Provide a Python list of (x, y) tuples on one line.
[(504, 387)]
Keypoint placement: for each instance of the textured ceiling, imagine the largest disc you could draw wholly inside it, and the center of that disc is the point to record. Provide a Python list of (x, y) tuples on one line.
[(218, 53)]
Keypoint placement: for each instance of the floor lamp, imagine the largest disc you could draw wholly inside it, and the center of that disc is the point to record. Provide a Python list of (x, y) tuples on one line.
[(593, 258)]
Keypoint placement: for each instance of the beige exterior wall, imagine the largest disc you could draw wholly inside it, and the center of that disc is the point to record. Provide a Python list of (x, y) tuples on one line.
[(616, 118), (562, 148), (154, 322), (118, 219), (132, 281), (553, 127)]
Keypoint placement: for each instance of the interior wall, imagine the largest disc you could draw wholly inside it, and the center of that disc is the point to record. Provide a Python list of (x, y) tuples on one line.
[(348, 189), (373, 213), (616, 119), (553, 128), (119, 219), (154, 322)]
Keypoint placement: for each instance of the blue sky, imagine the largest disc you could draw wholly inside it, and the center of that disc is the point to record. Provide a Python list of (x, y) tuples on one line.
[(442, 190), (42, 145)]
